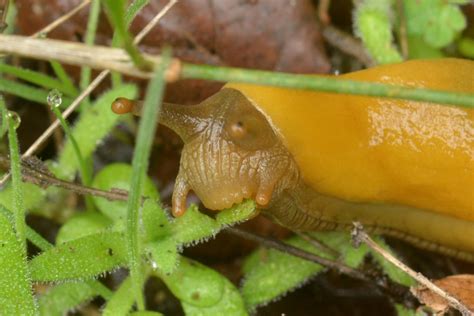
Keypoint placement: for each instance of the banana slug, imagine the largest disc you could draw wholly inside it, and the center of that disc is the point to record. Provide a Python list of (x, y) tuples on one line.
[(313, 160)]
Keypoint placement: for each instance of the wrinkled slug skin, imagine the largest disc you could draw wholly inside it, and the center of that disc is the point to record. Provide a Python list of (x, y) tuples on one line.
[(417, 155)]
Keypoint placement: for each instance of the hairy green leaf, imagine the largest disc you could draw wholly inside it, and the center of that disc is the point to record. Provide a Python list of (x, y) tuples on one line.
[(16, 296), (230, 304), (437, 21), (117, 176), (270, 274), (389, 268), (94, 124), (163, 255), (64, 297), (81, 225), (80, 259), (373, 26)]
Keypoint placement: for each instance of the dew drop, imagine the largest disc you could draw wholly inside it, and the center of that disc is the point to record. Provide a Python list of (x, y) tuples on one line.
[(55, 98), (15, 117), (154, 265)]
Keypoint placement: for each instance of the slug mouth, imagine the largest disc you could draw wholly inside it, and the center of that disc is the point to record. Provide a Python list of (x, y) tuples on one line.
[(220, 178), (217, 196), (223, 197)]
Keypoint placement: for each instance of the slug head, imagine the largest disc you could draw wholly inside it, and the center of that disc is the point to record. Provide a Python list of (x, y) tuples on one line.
[(230, 152)]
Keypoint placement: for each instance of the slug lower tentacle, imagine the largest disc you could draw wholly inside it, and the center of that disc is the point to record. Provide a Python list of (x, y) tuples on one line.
[(314, 160)]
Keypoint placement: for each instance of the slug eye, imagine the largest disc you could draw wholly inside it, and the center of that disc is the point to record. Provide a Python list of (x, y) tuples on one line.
[(248, 128), (243, 128)]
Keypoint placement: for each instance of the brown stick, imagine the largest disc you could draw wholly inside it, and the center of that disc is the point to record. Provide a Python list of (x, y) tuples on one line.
[(359, 236), (78, 54)]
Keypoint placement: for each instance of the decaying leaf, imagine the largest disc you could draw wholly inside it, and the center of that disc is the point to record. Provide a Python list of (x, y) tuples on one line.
[(273, 35), (460, 286)]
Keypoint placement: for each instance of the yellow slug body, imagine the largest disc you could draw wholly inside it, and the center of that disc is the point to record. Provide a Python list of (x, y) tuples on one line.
[(365, 149)]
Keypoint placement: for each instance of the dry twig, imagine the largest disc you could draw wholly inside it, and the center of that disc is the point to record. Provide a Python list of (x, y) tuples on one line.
[(360, 236)]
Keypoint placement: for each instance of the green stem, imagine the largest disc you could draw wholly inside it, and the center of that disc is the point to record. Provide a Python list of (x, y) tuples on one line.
[(133, 9), (146, 132), (92, 22), (83, 168), (19, 210), (26, 92), (3, 117), (62, 75), (324, 83)]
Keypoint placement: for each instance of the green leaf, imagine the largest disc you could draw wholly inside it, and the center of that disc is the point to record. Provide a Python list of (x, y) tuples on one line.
[(163, 255), (162, 250), (203, 291), (133, 9), (82, 258), (116, 14), (145, 313), (374, 27), (37, 78), (193, 227), (418, 48), (118, 176), (81, 225), (94, 124), (16, 297), (32, 196), (230, 304), (122, 300), (27, 92), (155, 221), (64, 297), (466, 47), (236, 214), (389, 268), (266, 271), (195, 283), (436, 21), (403, 311)]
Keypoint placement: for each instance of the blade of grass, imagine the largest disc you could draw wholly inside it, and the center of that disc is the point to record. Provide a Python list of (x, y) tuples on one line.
[(133, 9), (26, 92), (18, 209), (35, 238), (83, 167), (37, 78), (3, 113), (146, 131), (116, 13), (62, 75), (92, 22)]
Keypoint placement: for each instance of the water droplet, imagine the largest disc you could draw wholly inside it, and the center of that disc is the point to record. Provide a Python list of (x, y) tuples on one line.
[(12, 115), (154, 265), (55, 98)]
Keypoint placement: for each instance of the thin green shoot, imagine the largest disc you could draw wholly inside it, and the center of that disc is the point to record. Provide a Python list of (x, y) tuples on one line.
[(84, 169), (91, 30), (37, 78), (146, 132)]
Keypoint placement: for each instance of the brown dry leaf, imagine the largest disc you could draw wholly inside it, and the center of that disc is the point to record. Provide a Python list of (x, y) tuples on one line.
[(460, 286), (273, 35)]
